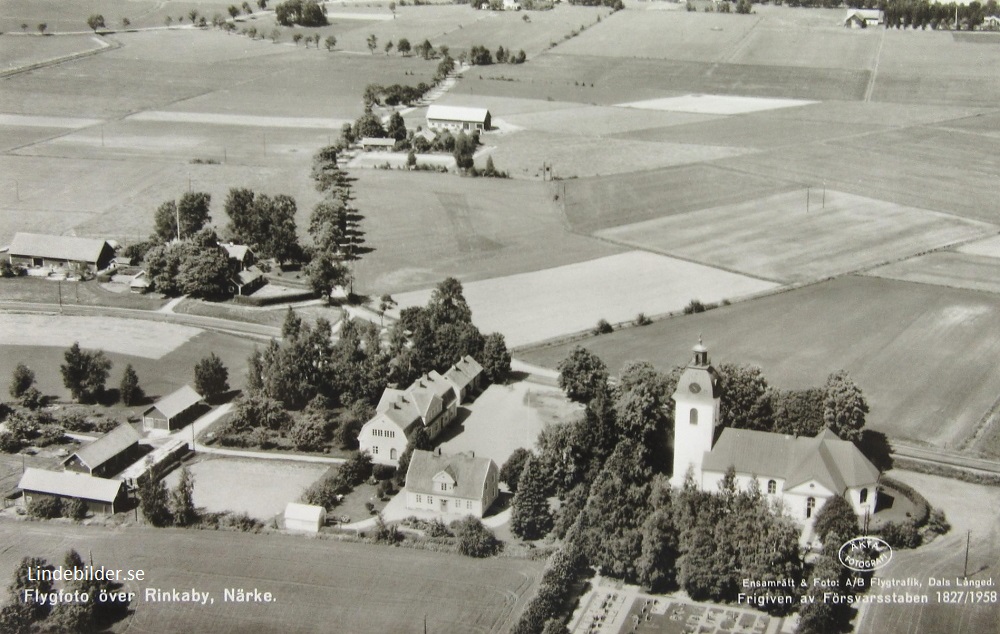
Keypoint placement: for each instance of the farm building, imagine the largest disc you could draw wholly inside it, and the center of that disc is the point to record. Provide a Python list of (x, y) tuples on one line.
[(304, 517), (102, 496), (140, 283), (863, 18), (458, 118), (40, 251), (241, 254), (108, 455), (172, 411), (429, 402), (802, 473), (466, 377), (247, 281), (461, 484), (372, 144)]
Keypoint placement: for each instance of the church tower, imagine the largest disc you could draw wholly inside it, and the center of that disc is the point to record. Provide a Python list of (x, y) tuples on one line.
[(696, 415)]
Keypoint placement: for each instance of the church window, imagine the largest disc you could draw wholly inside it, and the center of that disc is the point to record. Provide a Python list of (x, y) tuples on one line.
[(392, 454), (810, 505), (772, 487), (864, 495), (694, 416)]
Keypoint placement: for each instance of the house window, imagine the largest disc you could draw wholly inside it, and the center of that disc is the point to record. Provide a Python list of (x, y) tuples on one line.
[(375, 450), (810, 505), (772, 487), (864, 495), (392, 454), (430, 499), (468, 504), (444, 486), (418, 498), (694, 416)]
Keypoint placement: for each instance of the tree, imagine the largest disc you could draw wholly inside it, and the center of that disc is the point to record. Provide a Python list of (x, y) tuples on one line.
[(838, 517), (296, 38), (512, 469), (211, 377), (403, 46), (419, 440), (191, 209), (745, 400), (45, 507), (163, 264), (154, 500), (26, 577), (326, 272), (474, 539), (95, 22), (798, 412), (42, 27), (656, 566), (234, 11), (129, 389), (203, 271), (369, 125), (309, 434), (372, 43), (388, 47), (495, 358), (75, 509), (582, 375), (844, 407), (193, 15), (126, 23), (84, 373), (167, 21), (530, 517), (182, 508), (22, 379), (330, 42), (396, 128)]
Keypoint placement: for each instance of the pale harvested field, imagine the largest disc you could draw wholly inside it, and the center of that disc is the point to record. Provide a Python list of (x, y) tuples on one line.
[(531, 307), (362, 588), (715, 104), (969, 507), (151, 340), (506, 417), (63, 16), (428, 226), (16, 52), (259, 488), (898, 341), (240, 120), (14, 137), (957, 270), (596, 120), (775, 238), (31, 121), (990, 247), (830, 46), (572, 155)]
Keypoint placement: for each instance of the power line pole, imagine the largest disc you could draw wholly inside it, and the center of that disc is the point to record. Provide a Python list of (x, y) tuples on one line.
[(968, 538)]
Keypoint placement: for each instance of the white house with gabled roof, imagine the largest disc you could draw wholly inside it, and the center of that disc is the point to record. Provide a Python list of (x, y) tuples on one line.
[(458, 118), (460, 484)]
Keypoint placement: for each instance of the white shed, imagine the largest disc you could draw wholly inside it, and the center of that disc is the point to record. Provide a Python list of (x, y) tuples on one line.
[(304, 517)]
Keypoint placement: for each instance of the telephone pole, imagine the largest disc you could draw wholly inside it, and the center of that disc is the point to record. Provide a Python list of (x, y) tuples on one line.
[(965, 570)]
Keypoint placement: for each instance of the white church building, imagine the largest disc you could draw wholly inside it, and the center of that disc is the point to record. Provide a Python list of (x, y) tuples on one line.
[(802, 473)]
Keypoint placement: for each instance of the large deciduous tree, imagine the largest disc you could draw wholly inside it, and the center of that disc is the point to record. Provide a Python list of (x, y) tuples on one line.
[(21, 380), (192, 210), (85, 373), (837, 517), (844, 407), (531, 517), (745, 403), (211, 377), (582, 375)]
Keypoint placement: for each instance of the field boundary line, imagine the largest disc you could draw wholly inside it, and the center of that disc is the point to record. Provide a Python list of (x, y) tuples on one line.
[(741, 44), (106, 46), (873, 73)]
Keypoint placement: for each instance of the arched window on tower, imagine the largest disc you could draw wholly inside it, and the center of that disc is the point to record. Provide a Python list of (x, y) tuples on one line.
[(392, 454), (864, 495), (772, 487), (694, 416), (810, 505)]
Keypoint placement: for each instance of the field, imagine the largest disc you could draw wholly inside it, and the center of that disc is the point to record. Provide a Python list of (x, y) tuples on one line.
[(969, 507), (921, 353), (260, 488), (124, 336), (779, 238), (316, 583), (532, 307), (957, 270), (28, 50)]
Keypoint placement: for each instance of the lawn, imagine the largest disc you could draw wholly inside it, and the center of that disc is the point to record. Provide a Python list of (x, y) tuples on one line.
[(781, 238), (969, 507), (268, 316), (316, 583), (898, 341), (89, 293), (140, 338), (260, 488), (532, 307)]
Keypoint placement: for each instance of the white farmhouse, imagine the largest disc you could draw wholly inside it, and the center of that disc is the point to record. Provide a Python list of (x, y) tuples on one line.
[(801, 473), (461, 484), (458, 118)]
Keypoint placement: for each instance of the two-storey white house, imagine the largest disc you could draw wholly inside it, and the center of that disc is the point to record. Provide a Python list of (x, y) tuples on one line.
[(460, 484)]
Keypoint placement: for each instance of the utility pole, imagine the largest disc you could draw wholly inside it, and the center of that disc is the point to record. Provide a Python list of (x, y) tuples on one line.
[(177, 214), (807, 200), (968, 538), (59, 286)]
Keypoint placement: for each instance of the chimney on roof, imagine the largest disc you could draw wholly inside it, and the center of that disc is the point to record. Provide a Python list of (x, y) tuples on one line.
[(437, 451)]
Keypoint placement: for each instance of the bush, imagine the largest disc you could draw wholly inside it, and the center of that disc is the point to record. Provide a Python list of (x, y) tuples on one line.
[(474, 539), (45, 507), (694, 306), (33, 399), (49, 435), (901, 534), (642, 320), (386, 533), (938, 524), (75, 509), (603, 327), (241, 522), (75, 421)]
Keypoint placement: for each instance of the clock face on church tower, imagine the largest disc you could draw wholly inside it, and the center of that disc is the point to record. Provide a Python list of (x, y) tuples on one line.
[(695, 388)]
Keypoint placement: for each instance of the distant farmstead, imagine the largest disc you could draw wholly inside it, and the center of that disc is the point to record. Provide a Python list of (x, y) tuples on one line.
[(458, 118), (108, 455), (101, 495), (40, 251), (461, 484), (374, 144), (863, 18), (173, 411)]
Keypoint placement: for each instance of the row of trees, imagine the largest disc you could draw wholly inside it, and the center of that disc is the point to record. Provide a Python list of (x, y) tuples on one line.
[(919, 14)]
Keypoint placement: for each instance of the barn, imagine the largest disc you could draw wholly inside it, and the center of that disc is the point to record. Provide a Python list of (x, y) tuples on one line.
[(107, 456), (173, 411), (304, 517), (40, 251), (102, 496), (458, 118)]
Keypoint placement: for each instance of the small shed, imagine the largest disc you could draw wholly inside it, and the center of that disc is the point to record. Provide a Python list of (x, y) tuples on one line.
[(304, 517), (139, 284), (102, 496), (108, 455), (172, 411)]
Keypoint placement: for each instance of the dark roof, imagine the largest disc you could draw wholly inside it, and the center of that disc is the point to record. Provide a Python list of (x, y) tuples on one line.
[(248, 276), (466, 471), (464, 372), (834, 463), (173, 404), (70, 484), (107, 446), (58, 247)]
